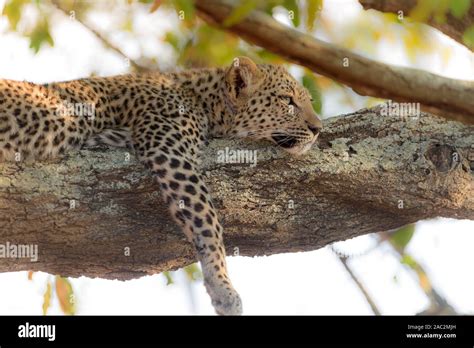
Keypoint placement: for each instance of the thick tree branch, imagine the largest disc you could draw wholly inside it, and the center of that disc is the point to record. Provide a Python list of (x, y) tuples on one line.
[(371, 173), (443, 96), (452, 27)]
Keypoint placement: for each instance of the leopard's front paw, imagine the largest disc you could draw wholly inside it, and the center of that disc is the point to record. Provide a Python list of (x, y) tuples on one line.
[(226, 300)]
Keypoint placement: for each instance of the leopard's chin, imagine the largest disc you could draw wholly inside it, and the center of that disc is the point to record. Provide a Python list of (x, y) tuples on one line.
[(301, 149)]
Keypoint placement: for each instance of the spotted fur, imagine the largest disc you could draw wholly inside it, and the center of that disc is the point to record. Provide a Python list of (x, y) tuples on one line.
[(167, 119)]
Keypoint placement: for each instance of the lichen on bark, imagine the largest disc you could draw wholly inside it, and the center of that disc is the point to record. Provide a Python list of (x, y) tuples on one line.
[(85, 211)]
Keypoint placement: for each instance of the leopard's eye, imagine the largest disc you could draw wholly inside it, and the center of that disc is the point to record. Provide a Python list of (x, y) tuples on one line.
[(288, 100)]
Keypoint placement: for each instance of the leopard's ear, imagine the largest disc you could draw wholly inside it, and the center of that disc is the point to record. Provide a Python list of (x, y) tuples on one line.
[(243, 78)]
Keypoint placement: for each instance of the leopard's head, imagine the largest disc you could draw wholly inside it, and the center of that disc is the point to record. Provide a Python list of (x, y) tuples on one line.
[(268, 103)]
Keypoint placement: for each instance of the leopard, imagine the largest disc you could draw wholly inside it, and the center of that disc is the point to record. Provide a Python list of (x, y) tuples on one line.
[(167, 118)]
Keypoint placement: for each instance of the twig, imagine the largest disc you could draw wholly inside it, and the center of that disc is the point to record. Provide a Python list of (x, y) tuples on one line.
[(103, 39), (359, 284), (438, 303)]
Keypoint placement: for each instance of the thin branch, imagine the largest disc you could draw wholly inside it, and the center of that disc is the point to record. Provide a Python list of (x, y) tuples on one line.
[(438, 304), (105, 41), (359, 284)]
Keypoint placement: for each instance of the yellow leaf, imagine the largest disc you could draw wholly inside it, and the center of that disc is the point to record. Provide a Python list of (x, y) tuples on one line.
[(371, 102), (324, 82), (390, 17), (424, 281), (314, 7), (47, 298), (156, 4), (65, 295), (128, 25)]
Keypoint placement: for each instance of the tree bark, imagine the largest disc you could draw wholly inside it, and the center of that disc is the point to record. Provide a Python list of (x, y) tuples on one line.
[(443, 96), (452, 27), (99, 214)]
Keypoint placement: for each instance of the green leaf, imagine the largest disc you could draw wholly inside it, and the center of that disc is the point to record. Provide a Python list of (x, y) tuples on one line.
[(169, 279), (441, 10), (409, 261), (47, 298), (40, 35), (187, 6), (423, 10), (293, 11), (240, 12), (423, 279), (193, 272), (12, 10), (309, 82), (459, 7), (313, 8), (172, 39), (468, 37), (402, 237)]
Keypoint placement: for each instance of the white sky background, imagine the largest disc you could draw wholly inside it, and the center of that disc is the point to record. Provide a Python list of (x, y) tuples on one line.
[(299, 283)]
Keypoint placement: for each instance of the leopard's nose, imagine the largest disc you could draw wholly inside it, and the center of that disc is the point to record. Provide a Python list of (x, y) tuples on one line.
[(314, 129), (314, 123)]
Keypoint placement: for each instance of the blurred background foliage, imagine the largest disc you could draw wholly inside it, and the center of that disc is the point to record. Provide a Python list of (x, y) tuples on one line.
[(196, 44)]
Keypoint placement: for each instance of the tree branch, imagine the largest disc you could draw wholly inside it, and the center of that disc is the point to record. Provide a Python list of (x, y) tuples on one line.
[(371, 173), (446, 97), (452, 27), (359, 284)]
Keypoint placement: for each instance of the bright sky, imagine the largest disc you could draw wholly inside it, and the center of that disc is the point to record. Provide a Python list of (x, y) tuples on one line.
[(299, 283)]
